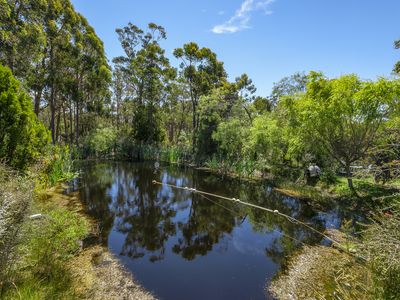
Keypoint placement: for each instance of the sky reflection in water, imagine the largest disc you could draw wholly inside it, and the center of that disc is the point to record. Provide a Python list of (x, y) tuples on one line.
[(180, 245)]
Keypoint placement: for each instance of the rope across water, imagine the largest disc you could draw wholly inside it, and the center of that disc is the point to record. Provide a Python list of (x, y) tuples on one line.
[(275, 212)]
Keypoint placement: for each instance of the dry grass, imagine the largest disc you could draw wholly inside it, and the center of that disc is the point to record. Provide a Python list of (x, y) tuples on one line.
[(99, 275), (15, 196), (322, 273)]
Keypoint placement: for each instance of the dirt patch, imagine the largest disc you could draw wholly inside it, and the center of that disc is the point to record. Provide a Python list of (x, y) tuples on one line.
[(96, 273), (322, 273), (99, 275)]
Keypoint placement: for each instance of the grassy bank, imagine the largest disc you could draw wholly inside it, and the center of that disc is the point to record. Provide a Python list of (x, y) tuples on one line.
[(41, 238), (372, 273)]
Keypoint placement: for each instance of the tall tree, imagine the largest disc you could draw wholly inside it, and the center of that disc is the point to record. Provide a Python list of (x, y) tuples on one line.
[(202, 72), (58, 57), (147, 73), (396, 68), (289, 86)]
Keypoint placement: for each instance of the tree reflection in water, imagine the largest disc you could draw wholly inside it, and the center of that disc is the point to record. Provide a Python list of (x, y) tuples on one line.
[(124, 199)]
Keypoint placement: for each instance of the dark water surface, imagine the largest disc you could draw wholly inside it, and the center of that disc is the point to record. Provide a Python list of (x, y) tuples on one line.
[(180, 245)]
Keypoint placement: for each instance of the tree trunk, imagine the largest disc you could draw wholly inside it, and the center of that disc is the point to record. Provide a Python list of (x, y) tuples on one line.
[(194, 127), (38, 95), (77, 124), (52, 114), (58, 126), (71, 123), (349, 176)]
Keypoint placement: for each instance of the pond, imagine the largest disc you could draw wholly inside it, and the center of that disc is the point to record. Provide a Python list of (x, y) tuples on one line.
[(181, 245)]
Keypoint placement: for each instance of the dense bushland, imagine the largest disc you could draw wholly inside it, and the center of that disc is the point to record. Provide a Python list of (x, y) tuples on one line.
[(145, 108)]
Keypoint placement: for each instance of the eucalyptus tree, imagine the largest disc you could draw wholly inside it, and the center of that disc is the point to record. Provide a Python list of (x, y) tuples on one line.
[(396, 68), (92, 76), (289, 86), (246, 90), (148, 74), (21, 36), (176, 114), (202, 72), (58, 57)]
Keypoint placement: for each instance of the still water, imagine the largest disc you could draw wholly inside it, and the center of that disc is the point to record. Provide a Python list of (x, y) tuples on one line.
[(180, 245)]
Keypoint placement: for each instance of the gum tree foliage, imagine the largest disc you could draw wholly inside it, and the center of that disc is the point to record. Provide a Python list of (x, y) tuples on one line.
[(246, 90), (202, 72), (342, 116), (231, 136), (396, 68), (220, 105), (22, 136), (147, 75), (101, 141), (59, 59), (289, 86)]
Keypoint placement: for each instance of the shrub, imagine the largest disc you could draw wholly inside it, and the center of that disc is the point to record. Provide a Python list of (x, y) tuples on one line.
[(22, 136), (48, 243), (101, 141), (15, 197), (59, 166), (382, 247)]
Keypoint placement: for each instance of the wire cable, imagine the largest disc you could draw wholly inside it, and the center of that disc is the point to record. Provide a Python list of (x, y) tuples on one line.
[(236, 200)]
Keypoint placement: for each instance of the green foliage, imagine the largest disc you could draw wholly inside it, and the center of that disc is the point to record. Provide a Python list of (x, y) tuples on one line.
[(289, 86), (269, 144), (381, 242), (22, 136), (47, 246), (59, 166), (396, 68), (342, 116), (328, 177), (231, 137), (54, 238), (147, 127), (201, 71), (59, 59), (147, 73), (101, 141), (16, 193)]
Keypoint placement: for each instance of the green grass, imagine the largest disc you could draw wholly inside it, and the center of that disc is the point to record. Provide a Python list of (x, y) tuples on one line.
[(34, 253), (47, 245), (368, 196)]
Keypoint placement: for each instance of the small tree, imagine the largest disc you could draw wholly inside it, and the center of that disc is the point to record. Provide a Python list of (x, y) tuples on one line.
[(343, 115), (22, 135)]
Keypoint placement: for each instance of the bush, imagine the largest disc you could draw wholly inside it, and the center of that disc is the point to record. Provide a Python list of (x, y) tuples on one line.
[(382, 248), (22, 136), (15, 197), (59, 166), (101, 141), (328, 177), (48, 244), (54, 238)]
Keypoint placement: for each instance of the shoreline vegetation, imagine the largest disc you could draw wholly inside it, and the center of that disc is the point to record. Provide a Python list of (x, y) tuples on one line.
[(45, 255), (49, 199), (61, 99)]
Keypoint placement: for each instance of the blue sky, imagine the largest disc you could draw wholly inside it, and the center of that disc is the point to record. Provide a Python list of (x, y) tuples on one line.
[(264, 38)]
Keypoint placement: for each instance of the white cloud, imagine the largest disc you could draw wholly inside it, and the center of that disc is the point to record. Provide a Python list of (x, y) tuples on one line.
[(240, 20)]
